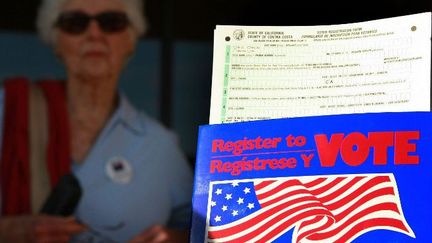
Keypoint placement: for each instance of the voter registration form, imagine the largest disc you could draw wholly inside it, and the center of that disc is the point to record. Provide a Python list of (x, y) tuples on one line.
[(273, 72)]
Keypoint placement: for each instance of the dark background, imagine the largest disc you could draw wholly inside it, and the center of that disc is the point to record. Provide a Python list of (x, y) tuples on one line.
[(196, 19), (191, 23)]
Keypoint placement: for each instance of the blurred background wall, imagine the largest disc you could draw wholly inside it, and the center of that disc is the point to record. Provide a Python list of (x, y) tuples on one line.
[(170, 75)]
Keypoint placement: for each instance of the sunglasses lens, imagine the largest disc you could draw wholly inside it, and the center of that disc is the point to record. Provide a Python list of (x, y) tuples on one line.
[(112, 21), (76, 22), (73, 22)]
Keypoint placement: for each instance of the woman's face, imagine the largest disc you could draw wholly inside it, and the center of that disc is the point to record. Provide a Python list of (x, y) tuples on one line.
[(94, 53)]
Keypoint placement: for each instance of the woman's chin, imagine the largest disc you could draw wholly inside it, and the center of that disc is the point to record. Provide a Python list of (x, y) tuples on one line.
[(96, 69)]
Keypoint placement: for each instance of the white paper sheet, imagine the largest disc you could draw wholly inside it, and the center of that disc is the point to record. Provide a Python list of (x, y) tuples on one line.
[(272, 72)]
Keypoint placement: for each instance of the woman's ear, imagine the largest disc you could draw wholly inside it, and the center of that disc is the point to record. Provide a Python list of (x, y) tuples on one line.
[(57, 52), (134, 42), (55, 47)]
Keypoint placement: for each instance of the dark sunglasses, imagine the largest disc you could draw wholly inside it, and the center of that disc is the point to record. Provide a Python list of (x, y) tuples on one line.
[(76, 22)]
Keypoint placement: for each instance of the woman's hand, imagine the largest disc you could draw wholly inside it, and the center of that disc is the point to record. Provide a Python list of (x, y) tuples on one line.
[(40, 228), (161, 234)]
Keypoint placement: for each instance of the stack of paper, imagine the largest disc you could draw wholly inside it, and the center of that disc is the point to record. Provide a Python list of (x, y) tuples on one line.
[(272, 72)]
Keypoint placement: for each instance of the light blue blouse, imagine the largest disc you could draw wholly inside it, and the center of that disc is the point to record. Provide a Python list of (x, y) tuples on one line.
[(135, 176)]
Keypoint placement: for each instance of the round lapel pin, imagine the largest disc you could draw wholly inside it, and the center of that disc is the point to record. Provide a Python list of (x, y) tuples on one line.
[(119, 170)]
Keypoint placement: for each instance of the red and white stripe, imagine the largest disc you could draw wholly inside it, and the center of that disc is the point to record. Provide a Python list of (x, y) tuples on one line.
[(334, 208)]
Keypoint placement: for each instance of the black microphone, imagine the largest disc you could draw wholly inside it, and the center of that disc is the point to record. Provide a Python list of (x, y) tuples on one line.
[(64, 198)]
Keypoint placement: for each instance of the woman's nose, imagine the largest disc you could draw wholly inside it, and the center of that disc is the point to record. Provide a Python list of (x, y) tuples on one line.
[(93, 30)]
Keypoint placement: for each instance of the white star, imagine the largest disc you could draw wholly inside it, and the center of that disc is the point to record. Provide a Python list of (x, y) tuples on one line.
[(217, 218), (250, 205), (235, 183), (234, 212), (246, 190), (224, 208), (218, 191), (213, 203), (228, 196), (240, 200)]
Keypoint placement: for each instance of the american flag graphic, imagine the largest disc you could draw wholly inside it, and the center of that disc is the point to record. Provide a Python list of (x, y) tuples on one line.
[(334, 208)]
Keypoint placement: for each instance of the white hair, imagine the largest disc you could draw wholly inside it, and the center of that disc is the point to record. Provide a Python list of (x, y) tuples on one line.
[(50, 10)]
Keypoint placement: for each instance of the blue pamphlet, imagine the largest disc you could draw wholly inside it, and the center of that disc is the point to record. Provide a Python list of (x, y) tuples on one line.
[(341, 178)]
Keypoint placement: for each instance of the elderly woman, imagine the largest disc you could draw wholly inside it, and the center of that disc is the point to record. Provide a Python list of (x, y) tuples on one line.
[(136, 183)]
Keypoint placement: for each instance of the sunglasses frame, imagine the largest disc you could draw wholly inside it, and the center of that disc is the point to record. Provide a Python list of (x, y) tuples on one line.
[(77, 22)]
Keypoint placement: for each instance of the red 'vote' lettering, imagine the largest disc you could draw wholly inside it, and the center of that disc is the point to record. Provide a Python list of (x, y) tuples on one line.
[(355, 147)]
